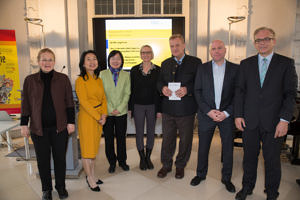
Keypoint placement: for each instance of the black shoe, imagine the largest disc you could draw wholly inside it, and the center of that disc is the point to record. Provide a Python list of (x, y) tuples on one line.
[(196, 180), (242, 194), (62, 193), (124, 166), (229, 186), (271, 197), (148, 160), (112, 169), (47, 195), (143, 165), (99, 182), (95, 189), (298, 181)]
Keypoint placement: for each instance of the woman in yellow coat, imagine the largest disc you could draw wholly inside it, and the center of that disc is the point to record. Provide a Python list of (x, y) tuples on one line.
[(92, 114)]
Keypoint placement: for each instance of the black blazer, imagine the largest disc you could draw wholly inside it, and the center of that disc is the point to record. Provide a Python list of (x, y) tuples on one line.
[(276, 99), (204, 88), (184, 73)]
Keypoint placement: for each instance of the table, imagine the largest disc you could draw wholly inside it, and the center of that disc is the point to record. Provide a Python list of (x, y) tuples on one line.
[(5, 126)]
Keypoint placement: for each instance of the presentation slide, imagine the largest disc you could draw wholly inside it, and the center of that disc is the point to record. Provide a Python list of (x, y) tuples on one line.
[(128, 35)]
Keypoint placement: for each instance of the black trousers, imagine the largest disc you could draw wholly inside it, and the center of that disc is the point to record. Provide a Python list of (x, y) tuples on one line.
[(271, 146), (170, 125), (206, 128), (57, 143), (115, 126)]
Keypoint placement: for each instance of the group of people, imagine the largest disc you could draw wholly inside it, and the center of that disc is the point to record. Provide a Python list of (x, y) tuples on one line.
[(257, 97)]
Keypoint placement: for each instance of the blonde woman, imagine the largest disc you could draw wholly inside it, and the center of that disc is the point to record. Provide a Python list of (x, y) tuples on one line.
[(145, 103)]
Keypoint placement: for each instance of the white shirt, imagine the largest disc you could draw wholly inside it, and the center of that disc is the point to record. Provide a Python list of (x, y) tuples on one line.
[(218, 74)]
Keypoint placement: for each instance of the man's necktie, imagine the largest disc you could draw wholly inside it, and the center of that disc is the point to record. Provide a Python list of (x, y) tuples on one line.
[(264, 68)]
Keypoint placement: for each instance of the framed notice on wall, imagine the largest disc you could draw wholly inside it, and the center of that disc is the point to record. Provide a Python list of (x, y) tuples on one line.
[(10, 95)]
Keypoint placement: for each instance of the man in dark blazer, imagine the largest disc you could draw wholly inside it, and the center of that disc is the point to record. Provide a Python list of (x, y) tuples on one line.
[(177, 115), (264, 103), (214, 92)]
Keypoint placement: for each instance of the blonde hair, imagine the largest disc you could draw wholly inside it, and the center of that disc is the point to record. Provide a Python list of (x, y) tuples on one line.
[(174, 36), (45, 50), (146, 45)]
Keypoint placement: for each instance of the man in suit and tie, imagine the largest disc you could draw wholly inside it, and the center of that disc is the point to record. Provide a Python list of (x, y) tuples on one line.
[(264, 103), (177, 115), (214, 92)]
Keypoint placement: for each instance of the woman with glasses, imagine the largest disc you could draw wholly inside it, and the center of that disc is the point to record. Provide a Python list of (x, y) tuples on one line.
[(145, 103), (117, 90), (47, 101)]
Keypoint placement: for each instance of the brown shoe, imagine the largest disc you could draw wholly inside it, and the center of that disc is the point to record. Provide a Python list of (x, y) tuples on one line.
[(179, 173), (162, 173)]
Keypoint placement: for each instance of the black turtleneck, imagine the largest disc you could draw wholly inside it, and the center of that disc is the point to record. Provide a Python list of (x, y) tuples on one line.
[(48, 110)]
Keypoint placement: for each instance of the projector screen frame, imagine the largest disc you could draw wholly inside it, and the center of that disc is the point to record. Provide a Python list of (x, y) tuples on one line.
[(99, 33)]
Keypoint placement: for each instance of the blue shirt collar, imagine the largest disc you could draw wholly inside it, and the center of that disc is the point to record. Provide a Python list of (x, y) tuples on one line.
[(269, 57), (223, 64), (180, 60)]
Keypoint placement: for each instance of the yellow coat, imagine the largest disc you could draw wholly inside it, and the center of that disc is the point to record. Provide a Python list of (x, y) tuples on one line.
[(91, 94)]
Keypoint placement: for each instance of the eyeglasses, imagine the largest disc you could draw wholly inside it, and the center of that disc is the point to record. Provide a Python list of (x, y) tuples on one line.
[(266, 39), (45, 60), (146, 52)]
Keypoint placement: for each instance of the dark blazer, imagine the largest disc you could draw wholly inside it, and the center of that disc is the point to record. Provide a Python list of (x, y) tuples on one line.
[(184, 73), (276, 99), (32, 100), (204, 88)]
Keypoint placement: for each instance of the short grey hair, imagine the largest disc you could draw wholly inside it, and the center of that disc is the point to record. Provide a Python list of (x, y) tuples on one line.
[(263, 28)]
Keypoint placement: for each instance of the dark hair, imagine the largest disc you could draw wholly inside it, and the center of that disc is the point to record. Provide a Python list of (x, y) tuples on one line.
[(82, 68), (112, 54)]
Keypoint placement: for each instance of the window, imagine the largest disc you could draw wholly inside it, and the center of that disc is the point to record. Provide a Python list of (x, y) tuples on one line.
[(147, 7), (172, 6), (124, 7), (104, 7), (151, 7)]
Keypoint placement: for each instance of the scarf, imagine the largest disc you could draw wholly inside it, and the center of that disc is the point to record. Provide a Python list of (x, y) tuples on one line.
[(115, 73)]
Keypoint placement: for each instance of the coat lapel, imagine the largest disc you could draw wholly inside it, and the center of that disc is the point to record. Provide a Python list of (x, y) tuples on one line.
[(256, 71), (211, 82), (226, 80), (271, 70)]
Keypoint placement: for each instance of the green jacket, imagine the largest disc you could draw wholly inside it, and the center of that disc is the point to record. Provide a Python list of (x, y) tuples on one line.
[(117, 96)]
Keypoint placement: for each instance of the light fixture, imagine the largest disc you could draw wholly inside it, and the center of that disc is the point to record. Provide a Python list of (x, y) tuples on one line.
[(232, 20), (38, 22)]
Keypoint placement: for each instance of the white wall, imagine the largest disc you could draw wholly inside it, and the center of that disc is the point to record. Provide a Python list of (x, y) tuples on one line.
[(277, 14), (12, 17), (60, 20), (54, 20), (213, 24)]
